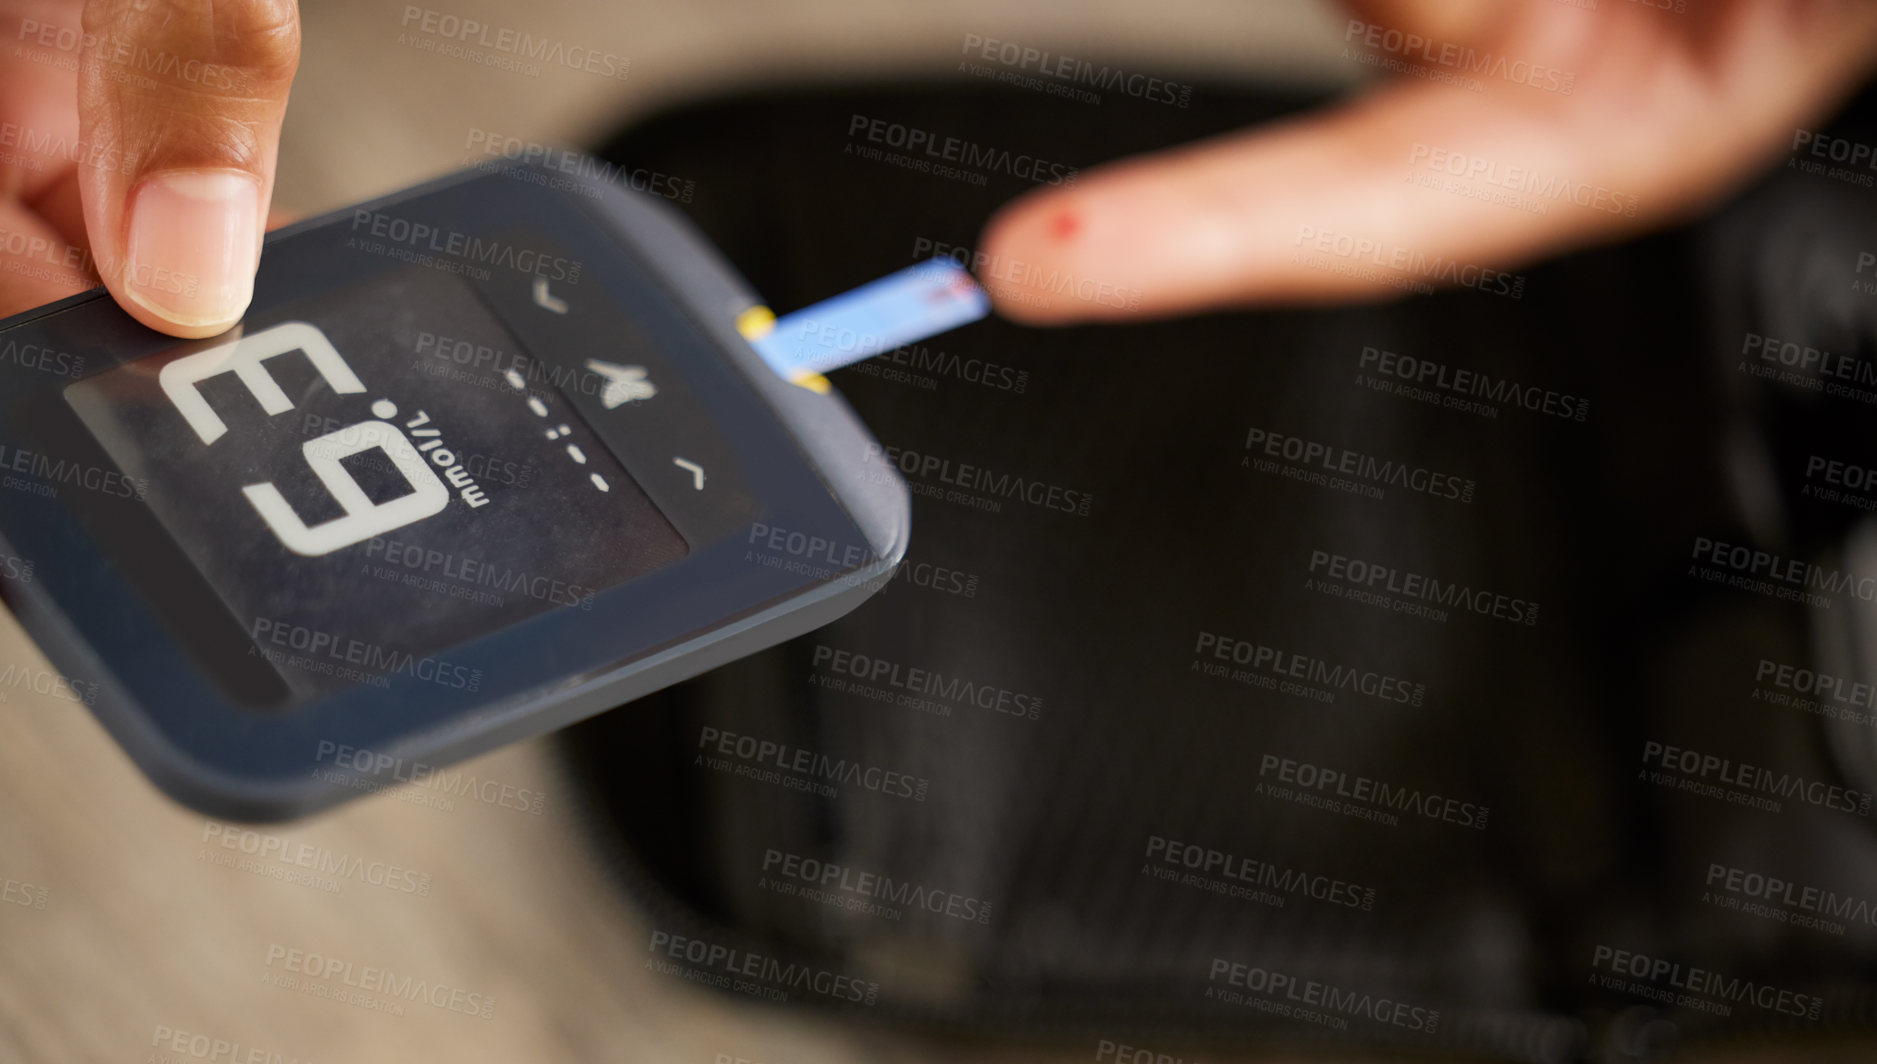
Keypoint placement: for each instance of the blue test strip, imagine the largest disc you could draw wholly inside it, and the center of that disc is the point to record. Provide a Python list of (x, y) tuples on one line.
[(896, 310)]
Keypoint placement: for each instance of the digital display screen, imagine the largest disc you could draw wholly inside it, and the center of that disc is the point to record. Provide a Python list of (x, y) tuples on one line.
[(373, 476)]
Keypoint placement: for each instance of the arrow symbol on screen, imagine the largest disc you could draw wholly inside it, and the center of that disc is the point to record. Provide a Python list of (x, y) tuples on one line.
[(696, 471), (547, 300), (623, 383)]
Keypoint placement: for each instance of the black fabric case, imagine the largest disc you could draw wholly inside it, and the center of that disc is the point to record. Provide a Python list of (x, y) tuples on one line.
[(1050, 820)]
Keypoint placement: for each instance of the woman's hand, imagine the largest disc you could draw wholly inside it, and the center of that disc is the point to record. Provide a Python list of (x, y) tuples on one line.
[(137, 146), (1637, 114)]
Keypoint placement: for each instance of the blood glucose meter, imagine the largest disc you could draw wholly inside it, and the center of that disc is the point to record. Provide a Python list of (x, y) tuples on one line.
[(485, 457)]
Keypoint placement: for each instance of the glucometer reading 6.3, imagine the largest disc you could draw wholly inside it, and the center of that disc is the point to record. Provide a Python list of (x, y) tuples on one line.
[(483, 458), (481, 488)]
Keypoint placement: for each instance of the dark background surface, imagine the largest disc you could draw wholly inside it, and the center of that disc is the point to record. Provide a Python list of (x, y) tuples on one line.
[(1098, 616)]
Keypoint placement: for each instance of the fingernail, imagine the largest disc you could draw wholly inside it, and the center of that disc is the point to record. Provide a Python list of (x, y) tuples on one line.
[(194, 245)]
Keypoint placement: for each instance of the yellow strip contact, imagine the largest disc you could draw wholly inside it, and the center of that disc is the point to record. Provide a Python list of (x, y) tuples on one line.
[(759, 321)]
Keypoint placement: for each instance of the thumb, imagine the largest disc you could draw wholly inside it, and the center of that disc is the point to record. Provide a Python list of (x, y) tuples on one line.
[(1663, 114), (182, 101)]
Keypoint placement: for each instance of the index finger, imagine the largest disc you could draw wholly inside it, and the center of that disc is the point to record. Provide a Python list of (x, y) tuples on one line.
[(1360, 201)]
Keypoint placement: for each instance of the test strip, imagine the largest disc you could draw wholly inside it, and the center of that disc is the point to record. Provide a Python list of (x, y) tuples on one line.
[(898, 309)]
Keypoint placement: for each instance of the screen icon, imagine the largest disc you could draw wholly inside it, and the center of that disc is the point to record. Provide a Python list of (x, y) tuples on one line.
[(624, 384)]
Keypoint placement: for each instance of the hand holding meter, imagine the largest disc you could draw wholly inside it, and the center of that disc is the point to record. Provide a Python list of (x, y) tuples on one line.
[(483, 459)]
